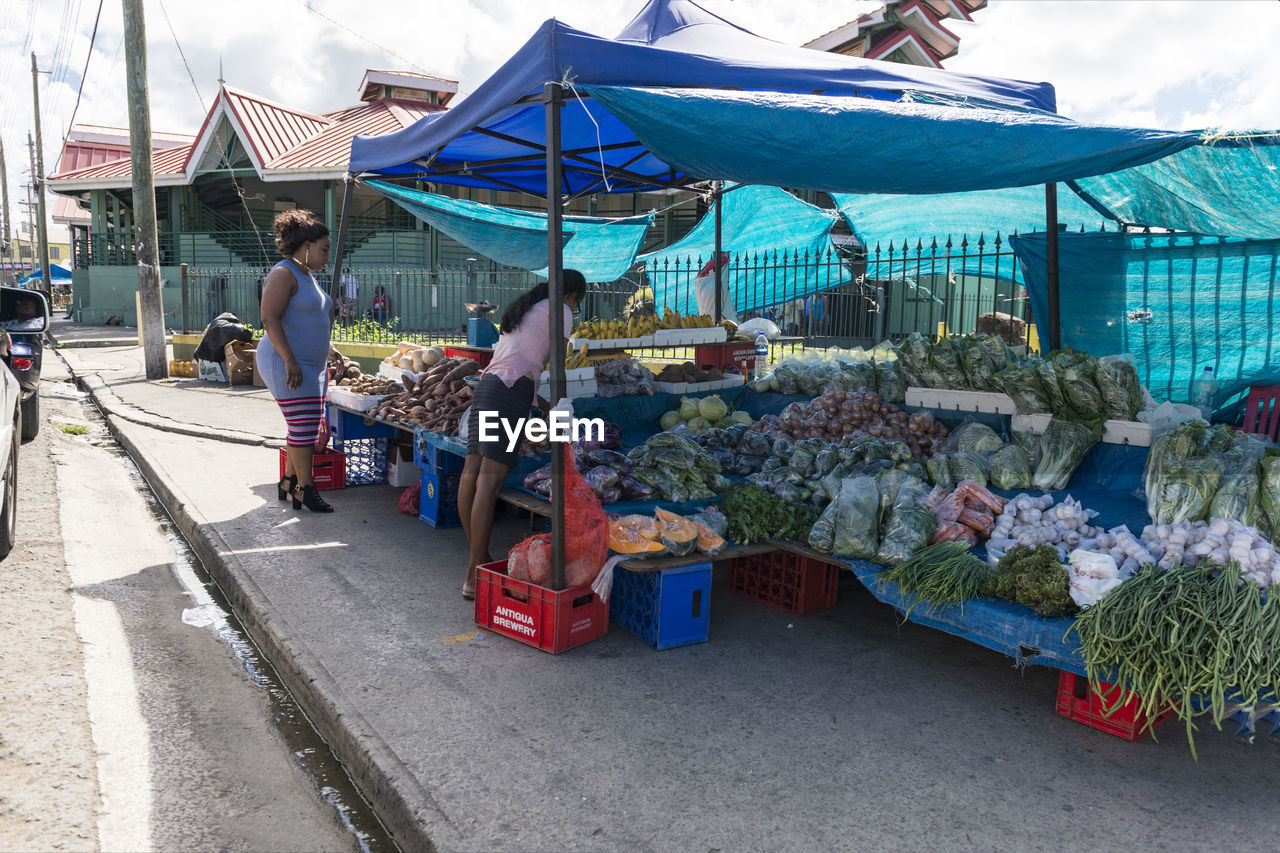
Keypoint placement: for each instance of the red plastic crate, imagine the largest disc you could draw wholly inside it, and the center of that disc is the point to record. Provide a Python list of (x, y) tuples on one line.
[(741, 353), (329, 467), (1078, 701), (481, 357), (545, 619), (790, 582)]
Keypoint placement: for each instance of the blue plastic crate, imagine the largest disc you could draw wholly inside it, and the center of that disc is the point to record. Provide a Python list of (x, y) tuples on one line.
[(366, 460), (348, 426), (429, 457), (665, 608), (438, 499)]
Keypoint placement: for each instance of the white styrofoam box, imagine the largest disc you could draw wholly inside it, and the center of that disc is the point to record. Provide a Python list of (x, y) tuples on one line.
[(210, 371), (576, 374), (401, 472), (390, 371), (710, 335), (673, 337), (961, 401), (1115, 432), (694, 387), (351, 400)]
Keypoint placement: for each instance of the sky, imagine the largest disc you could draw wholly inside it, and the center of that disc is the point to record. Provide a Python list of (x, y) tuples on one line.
[(1174, 64)]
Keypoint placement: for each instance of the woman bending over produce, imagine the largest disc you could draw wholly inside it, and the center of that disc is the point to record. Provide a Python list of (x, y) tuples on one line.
[(507, 388)]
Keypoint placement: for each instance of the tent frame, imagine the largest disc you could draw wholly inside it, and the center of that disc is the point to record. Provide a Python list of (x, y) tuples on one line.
[(557, 195)]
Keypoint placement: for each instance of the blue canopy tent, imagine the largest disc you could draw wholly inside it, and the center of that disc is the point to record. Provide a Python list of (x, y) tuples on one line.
[(570, 114), (57, 272)]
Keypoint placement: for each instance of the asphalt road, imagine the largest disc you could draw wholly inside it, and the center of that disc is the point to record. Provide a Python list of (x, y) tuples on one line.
[(133, 715)]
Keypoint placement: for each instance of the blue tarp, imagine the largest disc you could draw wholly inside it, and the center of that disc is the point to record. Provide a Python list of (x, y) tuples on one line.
[(1177, 303), (1229, 186), (601, 249), (878, 219), (756, 222), (669, 43), (57, 272), (846, 144)]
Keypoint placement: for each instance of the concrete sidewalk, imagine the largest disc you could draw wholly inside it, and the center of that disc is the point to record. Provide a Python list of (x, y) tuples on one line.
[(840, 730)]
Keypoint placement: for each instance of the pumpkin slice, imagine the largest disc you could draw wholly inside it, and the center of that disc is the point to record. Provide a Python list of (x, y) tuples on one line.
[(678, 533), (634, 534), (709, 542)]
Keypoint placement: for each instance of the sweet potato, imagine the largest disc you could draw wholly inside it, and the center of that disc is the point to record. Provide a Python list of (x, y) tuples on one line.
[(467, 368)]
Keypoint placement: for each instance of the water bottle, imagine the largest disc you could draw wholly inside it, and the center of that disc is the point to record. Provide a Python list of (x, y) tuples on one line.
[(1203, 390), (762, 355)]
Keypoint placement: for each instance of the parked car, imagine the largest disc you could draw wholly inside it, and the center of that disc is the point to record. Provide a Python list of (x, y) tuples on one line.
[(24, 318)]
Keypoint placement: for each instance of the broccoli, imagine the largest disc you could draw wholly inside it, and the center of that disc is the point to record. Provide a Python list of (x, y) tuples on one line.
[(1034, 577)]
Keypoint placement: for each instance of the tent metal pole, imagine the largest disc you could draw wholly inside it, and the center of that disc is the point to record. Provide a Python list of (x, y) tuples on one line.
[(553, 100), (335, 284), (715, 260), (1051, 262)]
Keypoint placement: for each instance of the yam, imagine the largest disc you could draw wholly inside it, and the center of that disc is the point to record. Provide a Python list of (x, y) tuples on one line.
[(406, 363), (432, 355), (467, 368), (408, 384)]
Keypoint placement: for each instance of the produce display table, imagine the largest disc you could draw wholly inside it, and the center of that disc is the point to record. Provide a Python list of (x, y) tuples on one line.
[(729, 552)]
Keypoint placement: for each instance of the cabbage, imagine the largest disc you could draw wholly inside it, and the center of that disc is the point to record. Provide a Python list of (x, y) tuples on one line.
[(741, 417), (712, 408), (688, 409), (697, 426), (670, 419)]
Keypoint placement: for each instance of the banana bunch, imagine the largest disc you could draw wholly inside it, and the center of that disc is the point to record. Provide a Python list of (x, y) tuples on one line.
[(599, 330), (673, 320), (574, 359)]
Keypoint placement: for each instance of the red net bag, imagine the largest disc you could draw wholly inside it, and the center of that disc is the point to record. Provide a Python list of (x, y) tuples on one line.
[(586, 537), (409, 499)]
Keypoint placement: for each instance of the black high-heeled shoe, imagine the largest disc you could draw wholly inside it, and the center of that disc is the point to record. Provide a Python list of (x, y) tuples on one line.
[(309, 496), (286, 486)]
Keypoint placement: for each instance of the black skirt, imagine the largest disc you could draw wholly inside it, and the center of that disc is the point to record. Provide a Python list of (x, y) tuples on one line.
[(511, 405)]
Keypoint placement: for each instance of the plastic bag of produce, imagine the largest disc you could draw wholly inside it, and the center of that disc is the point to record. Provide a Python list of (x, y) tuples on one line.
[(980, 367), (803, 461), (1022, 384), (914, 359), (822, 535), (1269, 490), (910, 526), (1048, 373), (634, 534), (1117, 380), (944, 358), (1079, 389), (1030, 443), (678, 534), (890, 383), (857, 527), (968, 465), (939, 470), (601, 477), (1010, 468), (976, 437), (1062, 447), (1184, 490), (1238, 494), (857, 373)]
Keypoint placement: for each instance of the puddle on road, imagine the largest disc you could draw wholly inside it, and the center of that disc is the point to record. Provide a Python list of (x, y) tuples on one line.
[(212, 611)]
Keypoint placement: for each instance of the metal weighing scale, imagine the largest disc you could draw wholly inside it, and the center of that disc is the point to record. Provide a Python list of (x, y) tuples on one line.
[(481, 332)]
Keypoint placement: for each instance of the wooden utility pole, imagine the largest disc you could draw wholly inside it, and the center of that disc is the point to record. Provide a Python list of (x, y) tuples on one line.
[(7, 255), (38, 177), (151, 319)]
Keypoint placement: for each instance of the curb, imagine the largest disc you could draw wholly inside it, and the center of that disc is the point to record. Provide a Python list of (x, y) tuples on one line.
[(400, 801), (100, 391)]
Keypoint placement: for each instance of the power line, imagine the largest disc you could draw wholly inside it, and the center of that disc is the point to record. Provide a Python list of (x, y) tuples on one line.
[(383, 48), (84, 74)]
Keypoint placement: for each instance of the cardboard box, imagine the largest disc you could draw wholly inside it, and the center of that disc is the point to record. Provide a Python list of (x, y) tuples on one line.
[(401, 471), (239, 362)]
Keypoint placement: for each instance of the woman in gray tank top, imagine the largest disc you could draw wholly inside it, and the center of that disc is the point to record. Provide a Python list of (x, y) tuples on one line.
[(293, 358)]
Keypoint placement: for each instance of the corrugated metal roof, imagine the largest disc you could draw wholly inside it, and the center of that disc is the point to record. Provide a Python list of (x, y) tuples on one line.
[(165, 161), (272, 129), (281, 139), (332, 146)]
